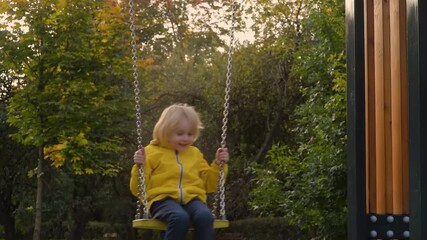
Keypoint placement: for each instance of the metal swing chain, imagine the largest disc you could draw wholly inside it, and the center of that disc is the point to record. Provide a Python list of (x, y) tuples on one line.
[(221, 181), (142, 195), (142, 198)]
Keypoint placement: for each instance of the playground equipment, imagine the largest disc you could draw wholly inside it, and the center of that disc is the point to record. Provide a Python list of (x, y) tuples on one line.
[(142, 218), (387, 112)]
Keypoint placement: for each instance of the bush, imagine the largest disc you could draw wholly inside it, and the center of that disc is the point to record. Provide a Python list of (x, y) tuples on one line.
[(105, 231), (247, 229), (262, 228), (2, 232)]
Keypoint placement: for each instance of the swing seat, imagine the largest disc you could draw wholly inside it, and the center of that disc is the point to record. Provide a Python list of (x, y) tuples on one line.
[(156, 224)]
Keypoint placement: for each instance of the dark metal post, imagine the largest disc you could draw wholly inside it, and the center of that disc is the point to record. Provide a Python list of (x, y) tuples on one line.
[(417, 80), (356, 183)]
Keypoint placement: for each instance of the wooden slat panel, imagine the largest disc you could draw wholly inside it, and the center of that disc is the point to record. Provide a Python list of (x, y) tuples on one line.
[(396, 101), (379, 106), (387, 107)]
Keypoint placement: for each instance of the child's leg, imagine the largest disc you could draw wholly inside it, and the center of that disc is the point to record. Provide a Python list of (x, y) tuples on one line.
[(176, 217), (202, 219)]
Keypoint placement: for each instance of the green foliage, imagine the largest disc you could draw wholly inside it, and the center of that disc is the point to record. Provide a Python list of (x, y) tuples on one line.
[(307, 186), (14, 165), (72, 99), (304, 179), (325, 156), (264, 228), (272, 183), (103, 230), (72, 96)]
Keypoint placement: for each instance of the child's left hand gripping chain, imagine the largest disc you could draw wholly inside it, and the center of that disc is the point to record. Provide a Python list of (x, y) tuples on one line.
[(222, 156), (139, 157)]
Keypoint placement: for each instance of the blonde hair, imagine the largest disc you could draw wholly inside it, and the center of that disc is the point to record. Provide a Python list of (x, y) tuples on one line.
[(171, 118)]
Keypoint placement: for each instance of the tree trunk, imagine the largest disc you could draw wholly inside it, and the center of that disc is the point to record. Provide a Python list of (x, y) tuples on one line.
[(268, 140), (7, 208), (8, 222), (80, 219), (81, 209), (39, 198), (281, 115)]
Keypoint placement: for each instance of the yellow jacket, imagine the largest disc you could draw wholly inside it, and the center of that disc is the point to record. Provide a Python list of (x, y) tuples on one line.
[(181, 176)]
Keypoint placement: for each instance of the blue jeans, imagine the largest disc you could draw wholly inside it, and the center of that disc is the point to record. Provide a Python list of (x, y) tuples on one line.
[(179, 218)]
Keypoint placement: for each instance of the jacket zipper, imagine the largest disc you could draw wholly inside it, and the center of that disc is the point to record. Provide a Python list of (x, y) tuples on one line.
[(181, 173)]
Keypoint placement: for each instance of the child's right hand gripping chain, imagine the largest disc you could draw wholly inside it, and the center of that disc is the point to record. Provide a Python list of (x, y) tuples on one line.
[(222, 156), (139, 157)]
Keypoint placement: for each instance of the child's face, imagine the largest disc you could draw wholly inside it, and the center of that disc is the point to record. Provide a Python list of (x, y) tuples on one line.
[(182, 137)]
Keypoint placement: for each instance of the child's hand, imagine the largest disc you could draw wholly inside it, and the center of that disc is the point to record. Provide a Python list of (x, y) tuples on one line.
[(139, 157), (222, 156)]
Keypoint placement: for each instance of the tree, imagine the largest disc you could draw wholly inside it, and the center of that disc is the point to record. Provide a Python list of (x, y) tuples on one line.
[(13, 162), (179, 54), (73, 96), (307, 176)]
